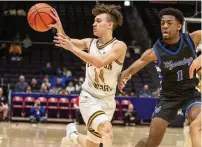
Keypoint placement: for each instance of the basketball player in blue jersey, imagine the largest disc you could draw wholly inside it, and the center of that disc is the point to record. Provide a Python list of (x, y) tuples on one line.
[(104, 64), (173, 54)]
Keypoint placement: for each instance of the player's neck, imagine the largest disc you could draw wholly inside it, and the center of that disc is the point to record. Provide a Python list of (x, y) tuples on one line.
[(173, 40), (105, 38)]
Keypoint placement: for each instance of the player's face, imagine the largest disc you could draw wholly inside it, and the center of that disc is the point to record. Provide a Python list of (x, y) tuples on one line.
[(169, 27), (101, 25)]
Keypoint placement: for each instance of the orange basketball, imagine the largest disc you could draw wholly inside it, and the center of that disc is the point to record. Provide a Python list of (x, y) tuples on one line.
[(38, 17)]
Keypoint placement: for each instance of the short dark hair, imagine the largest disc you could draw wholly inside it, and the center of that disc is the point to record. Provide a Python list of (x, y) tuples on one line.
[(174, 12), (112, 10)]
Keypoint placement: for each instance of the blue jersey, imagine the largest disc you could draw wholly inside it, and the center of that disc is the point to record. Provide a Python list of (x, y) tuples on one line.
[(173, 66)]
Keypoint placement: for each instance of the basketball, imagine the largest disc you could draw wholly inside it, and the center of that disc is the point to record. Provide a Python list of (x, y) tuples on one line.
[(38, 17)]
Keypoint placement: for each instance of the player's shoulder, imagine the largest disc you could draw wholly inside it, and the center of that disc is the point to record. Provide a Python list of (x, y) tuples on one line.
[(88, 41), (120, 44)]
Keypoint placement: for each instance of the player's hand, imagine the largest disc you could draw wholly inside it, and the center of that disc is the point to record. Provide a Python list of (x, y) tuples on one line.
[(63, 41), (55, 16), (196, 64), (122, 81)]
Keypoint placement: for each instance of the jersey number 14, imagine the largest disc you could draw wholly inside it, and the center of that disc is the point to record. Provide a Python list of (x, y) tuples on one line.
[(99, 75)]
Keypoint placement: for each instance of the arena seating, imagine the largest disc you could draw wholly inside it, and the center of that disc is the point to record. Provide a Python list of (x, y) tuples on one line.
[(17, 106), (52, 107), (64, 108), (28, 104)]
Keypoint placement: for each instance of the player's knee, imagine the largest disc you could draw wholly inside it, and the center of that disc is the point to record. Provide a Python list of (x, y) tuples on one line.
[(195, 127), (105, 129), (142, 142), (194, 112)]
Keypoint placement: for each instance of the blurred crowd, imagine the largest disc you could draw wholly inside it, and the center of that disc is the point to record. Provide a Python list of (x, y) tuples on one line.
[(59, 81)]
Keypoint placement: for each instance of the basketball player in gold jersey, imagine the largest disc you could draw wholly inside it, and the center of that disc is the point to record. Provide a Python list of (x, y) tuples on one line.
[(104, 61)]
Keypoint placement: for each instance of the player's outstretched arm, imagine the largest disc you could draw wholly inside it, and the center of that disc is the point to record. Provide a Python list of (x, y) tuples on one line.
[(148, 56), (196, 37), (80, 43), (117, 51)]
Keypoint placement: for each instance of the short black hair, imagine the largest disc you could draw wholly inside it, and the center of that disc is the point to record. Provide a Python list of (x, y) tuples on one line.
[(174, 12)]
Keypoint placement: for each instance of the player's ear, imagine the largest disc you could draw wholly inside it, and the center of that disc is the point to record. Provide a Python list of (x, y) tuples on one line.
[(179, 27), (111, 24)]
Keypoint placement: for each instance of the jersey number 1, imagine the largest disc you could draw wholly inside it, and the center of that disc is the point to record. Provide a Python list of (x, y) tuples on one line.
[(179, 75)]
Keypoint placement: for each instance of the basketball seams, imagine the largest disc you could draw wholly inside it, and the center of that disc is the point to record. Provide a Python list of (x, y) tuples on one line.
[(40, 17), (35, 22), (36, 10)]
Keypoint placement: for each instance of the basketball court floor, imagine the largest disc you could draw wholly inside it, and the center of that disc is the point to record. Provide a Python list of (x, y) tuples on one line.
[(49, 135)]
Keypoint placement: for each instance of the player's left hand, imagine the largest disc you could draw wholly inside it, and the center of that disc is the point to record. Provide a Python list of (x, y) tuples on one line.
[(196, 64), (122, 81), (63, 41)]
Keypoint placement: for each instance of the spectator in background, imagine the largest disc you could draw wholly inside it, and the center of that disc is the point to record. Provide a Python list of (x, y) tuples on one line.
[(38, 113), (48, 70), (133, 93), (70, 88), (12, 12), (123, 93), (67, 72), (46, 82), (21, 12), (28, 89), (34, 85), (63, 91), (15, 50), (27, 42), (77, 88), (130, 116), (79, 84), (21, 85), (156, 93), (59, 83), (145, 92), (59, 72), (3, 105), (53, 90), (43, 89)]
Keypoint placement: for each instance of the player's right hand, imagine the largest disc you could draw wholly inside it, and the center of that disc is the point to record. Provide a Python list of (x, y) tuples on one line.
[(122, 81), (55, 16)]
